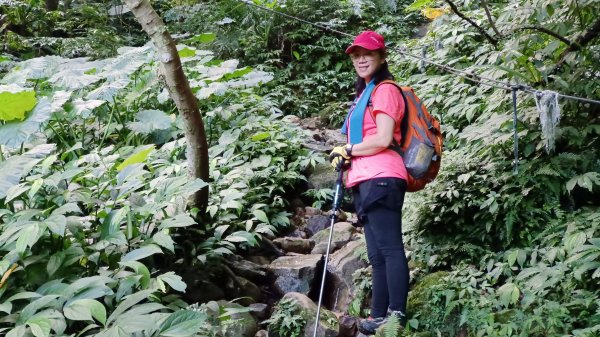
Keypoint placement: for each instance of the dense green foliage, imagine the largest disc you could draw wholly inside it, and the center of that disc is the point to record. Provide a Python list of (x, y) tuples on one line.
[(94, 230), (518, 245), (87, 211)]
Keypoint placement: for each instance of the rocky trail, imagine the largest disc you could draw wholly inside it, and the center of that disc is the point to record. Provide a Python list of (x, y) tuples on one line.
[(289, 268)]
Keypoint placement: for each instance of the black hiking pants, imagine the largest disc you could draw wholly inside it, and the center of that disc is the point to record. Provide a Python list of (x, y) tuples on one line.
[(378, 203)]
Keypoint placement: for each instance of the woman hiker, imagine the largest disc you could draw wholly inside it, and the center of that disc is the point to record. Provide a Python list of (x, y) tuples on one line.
[(377, 176)]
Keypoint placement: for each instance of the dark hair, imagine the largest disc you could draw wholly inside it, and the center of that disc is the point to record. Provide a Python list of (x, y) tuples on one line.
[(382, 74)]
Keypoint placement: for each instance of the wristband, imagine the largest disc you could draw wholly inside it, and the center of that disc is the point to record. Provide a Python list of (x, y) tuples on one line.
[(349, 149)]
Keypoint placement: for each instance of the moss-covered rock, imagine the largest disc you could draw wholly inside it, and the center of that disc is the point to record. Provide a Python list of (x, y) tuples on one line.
[(418, 300), (305, 308)]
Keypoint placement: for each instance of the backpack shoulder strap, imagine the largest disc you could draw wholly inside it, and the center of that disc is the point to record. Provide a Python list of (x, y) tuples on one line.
[(370, 103)]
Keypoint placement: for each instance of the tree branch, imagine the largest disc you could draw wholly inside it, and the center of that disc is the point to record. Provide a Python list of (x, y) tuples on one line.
[(582, 39), (580, 42), (472, 23), (489, 17), (549, 32)]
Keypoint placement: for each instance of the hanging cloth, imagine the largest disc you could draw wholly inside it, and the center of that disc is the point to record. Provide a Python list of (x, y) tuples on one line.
[(355, 117), (547, 105)]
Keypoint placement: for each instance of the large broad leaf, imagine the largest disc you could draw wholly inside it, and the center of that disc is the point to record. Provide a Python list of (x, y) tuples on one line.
[(85, 108), (73, 79), (508, 293), (182, 323), (252, 79), (129, 301), (173, 280), (15, 102), (419, 4), (14, 134), (186, 52), (36, 68), (180, 220), (150, 120), (112, 222), (107, 91), (164, 240), (128, 62), (137, 157), (142, 252), (14, 168), (87, 288), (204, 38), (85, 310), (40, 326)]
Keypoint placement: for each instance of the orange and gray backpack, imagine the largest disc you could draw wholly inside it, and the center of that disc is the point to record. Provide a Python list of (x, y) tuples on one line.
[(421, 140)]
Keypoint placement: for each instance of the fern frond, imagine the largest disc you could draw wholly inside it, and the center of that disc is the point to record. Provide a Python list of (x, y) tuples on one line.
[(392, 327), (569, 156), (547, 171)]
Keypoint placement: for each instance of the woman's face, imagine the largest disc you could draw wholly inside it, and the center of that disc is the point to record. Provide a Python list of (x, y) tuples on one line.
[(366, 62)]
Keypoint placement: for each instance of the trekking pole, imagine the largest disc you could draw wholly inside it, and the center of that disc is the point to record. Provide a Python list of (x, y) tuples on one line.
[(339, 192)]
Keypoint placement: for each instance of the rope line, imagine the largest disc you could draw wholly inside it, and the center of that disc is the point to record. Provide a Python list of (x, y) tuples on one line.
[(466, 75)]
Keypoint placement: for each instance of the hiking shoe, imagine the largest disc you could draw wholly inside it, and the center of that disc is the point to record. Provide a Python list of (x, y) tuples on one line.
[(369, 326), (401, 316)]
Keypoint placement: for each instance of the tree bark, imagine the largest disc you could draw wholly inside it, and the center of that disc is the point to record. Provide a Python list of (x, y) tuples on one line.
[(549, 32), (51, 5), (472, 23), (582, 39), (180, 92)]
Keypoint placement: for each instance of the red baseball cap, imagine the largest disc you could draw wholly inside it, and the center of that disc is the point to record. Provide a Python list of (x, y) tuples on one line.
[(369, 40)]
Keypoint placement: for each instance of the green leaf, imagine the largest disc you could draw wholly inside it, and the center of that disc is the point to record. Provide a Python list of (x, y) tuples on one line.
[(14, 134), (508, 293), (57, 224), (84, 108), (575, 240), (418, 4), (28, 236), (204, 38), (187, 52), (138, 157), (261, 216), (260, 136), (148, 121), (15, 167), (182, 323), (127, 303), (237, 73), (173, 280), (142, 252), (55, 261), (242, 237), (140, 269), (296, 55), (112, 223), (84, 310), (14, 105), (33, 307), (40, 326), (180, 220), (164, 240)]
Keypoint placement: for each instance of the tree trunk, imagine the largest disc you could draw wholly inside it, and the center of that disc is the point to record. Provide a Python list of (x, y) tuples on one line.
[(51, 5), (180, 91)]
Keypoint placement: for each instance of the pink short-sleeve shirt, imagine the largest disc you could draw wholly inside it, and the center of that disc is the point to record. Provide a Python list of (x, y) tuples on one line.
[(387, 163)]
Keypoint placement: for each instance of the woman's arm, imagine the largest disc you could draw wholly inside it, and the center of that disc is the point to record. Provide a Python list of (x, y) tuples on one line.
[(378, 142)]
